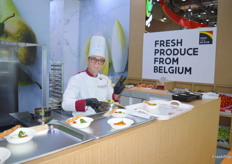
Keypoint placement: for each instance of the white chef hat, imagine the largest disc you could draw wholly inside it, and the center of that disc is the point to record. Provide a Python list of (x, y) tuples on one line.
[(97, 46)]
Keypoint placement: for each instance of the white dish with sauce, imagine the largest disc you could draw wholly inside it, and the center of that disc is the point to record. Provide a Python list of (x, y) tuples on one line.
[(80, 124), (128, 122), (14, 138), (120, 113)]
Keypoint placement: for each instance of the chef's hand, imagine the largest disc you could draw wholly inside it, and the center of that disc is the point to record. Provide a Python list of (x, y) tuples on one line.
[(93, 102), (119, 86)]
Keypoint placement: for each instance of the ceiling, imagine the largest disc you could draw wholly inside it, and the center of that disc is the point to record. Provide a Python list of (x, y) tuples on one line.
[(202, 11)]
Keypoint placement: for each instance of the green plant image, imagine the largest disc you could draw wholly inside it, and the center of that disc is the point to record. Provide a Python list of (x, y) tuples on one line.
[(14, 28)]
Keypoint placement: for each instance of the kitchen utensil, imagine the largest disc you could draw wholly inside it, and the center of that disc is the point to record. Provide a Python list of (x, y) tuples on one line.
[(108, 113), (42, 114), (105, 106)]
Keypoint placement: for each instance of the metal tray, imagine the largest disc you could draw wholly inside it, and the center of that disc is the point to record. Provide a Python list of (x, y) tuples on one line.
[(100, 128), (56, 138)]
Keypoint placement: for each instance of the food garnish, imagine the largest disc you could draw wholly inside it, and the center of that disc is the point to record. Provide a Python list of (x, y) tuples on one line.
[(114, 109), (73, 119), (82, 121), (148, 103), (120, 123), (113, 102), (7, 132), (22, 134), (119, 112)]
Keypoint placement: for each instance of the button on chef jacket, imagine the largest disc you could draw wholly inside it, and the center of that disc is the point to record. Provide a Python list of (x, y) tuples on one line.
[(82, 86)]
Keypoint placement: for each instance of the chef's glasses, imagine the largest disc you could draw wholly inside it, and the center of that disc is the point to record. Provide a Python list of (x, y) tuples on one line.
[(95, 60)]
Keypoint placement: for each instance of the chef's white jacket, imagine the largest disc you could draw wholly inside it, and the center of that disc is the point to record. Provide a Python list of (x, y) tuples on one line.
[(82, 86)]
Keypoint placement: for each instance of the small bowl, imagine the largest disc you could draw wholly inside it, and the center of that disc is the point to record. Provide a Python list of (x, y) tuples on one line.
[(128, 122), (120, 113), (154, 106), (4, 154), (78, 124), (14, 139)]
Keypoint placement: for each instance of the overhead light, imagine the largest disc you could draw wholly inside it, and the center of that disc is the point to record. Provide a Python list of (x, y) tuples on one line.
[(189, 9), (215, 24), (199, 15), (207, 20), (183, 0)]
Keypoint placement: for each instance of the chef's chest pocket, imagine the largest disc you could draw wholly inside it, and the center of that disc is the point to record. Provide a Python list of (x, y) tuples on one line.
[(102, 88)]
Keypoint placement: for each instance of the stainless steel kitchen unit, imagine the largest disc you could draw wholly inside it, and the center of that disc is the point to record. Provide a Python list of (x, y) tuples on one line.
[(8, 82)]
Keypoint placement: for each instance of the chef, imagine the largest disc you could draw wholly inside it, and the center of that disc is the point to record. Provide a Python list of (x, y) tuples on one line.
[(87, 88)]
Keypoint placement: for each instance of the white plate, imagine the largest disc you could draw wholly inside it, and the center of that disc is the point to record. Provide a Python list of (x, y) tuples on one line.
[(14, 139), (127, 121), (117, 113), (80, 125), (4, 154)]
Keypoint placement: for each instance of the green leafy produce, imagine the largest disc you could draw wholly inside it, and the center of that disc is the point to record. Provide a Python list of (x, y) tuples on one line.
[(14, 28), (24, 79), (223, 134), (21, 134), (82, 121), (113, 102)]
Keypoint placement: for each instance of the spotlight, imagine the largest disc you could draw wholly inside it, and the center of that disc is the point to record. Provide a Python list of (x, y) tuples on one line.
[(189, 9)]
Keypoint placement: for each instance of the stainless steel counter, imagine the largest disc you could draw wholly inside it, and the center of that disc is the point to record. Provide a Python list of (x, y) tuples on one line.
[(62, 136), (45, 142), (100, 128)]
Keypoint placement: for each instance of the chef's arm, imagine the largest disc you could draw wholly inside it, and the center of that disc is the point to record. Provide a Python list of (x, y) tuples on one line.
[(116, 97), (118, 88), (70, 101)]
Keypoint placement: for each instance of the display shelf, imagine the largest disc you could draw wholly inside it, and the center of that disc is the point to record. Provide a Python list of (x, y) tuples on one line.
[(225, 122), (227, 146)]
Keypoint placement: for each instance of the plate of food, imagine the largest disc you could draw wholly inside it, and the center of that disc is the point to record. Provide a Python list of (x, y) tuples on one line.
[(4, 154), (120, 123), (150, 105), (120, 113), (20, 135), (80, 121)]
